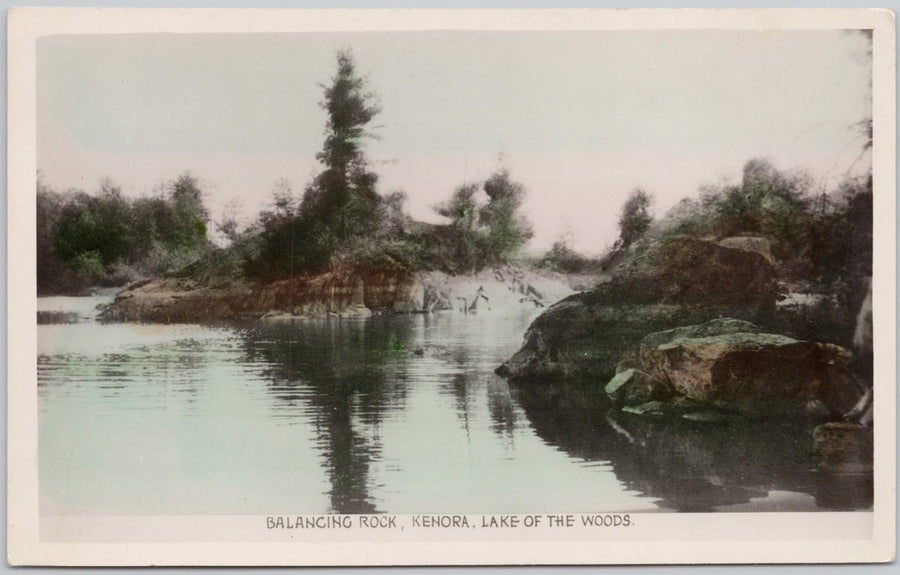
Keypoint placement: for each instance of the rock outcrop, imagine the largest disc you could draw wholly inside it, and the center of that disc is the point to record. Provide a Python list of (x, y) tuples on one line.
[(690, 271), (685, 281), (731, 364), (345, 292), (339, 292)]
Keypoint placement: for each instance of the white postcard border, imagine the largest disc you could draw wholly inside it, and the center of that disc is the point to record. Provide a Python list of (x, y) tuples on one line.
[(681, 538)]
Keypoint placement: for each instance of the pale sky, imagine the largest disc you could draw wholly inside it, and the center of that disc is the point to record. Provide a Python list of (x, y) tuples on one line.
[(579, 118)]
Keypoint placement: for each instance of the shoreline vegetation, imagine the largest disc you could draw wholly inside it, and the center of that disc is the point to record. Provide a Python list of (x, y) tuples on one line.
[(746, 303)]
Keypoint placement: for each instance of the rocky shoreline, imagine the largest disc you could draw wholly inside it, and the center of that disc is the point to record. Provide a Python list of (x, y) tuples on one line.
[(685, 333), (345, 292)]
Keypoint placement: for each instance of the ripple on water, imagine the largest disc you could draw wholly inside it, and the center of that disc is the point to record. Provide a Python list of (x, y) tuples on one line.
[(327, 416)]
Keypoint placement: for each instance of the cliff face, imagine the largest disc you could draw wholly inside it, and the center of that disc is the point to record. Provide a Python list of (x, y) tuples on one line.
[(338, 292)]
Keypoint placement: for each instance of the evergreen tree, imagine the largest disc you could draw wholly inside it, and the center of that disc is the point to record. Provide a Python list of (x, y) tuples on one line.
[(343, 198), (190, 216)]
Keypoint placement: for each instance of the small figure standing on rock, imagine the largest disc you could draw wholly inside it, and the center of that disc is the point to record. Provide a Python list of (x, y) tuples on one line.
[(478, 296), (532, 299)]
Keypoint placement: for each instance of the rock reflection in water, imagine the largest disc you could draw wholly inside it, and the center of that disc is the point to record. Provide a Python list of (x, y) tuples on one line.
[(57, 317), (345, 376), (397, 414), (465, 387), (690, 466)]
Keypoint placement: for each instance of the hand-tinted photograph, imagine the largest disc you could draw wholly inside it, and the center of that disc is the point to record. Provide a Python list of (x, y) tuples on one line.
[(454, 272), (434, 272)]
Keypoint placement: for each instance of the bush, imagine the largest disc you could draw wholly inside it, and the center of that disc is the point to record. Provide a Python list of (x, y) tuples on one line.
[(562, 258), (105, 239), (483, 234), (395, 255)]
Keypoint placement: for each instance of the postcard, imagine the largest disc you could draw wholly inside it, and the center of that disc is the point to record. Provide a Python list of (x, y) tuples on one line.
[(451, 287)]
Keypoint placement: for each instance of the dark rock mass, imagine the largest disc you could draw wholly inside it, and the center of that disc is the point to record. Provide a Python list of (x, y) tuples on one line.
[(732, 365), (685, 281)]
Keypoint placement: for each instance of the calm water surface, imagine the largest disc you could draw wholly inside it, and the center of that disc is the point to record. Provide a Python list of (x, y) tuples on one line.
[(398, 414)]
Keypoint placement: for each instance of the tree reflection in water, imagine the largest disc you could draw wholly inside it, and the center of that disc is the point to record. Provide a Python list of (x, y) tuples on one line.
[(345, 375), (350, 378)]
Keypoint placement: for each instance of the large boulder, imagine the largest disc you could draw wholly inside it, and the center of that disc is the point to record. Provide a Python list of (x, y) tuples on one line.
[(690, 271), (684, 281), (715, 327), (750, 371)]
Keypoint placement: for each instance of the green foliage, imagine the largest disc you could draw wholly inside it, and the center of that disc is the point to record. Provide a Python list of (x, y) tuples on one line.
[(489, 233), (395, 222), (105, 239), (508, 231), (767, 202), (50, 268), (342, 218), (819, 239), (340, 206), (349, 109), (562, 258), (468, 240), (399, 254), (229, 228), (291, 246), (343, 197), (170, 227), (839, 232), (88, 263), (189, 215), (94, 231)]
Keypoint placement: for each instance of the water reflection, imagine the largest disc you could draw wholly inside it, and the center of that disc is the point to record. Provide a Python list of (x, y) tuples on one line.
[(688, 466), (501, 409), (353, 378), (347, 375), (398, 414)]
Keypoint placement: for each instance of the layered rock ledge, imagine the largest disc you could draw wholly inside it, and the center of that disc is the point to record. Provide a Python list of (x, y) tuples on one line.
[(346, 292)]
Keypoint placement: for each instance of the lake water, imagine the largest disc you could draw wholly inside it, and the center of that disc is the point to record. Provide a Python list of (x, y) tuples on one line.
[(398, 414)]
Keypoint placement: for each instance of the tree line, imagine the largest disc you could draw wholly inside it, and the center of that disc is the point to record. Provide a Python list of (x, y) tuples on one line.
[(341, 219), (820, 240), (105, 239), (816, 235)]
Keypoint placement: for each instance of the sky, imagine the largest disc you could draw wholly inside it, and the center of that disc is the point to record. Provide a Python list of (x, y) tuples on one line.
[(579, 117)]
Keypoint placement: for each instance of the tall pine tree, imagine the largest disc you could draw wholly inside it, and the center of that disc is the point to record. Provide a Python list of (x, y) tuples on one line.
[(342, 198)]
